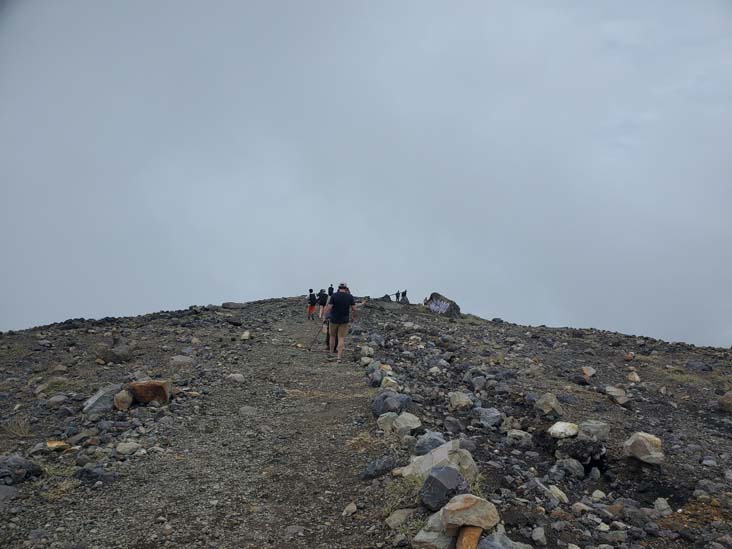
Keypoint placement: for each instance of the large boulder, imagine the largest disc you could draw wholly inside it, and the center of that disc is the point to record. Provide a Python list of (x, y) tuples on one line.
[(149, 391), (440, 486), (469, 510), (103, 400), (644, 447), (441, 305), (449, 454)]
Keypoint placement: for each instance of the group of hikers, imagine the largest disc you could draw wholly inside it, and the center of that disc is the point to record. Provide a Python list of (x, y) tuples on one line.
[(336, 309)]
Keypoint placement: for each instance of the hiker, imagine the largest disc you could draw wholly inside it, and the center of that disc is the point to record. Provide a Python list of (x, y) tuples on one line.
[(404, 294), (397, 296), (322, 302), (312, 300), (341, 310), (330, 290)]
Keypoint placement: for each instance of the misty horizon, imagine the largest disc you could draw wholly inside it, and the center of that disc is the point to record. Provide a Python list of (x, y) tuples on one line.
[(558, 165)]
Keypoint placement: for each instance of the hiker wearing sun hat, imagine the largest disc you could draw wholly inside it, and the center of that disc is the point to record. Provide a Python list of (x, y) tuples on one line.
[(341, 310)]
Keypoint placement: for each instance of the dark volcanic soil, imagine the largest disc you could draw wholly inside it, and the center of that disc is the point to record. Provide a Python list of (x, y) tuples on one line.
[(273, 458)]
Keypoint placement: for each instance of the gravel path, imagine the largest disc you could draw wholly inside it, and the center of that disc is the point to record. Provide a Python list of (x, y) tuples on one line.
[(276, 473)]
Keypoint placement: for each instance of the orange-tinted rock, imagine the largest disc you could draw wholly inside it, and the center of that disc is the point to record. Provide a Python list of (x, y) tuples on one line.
[(469, 537), (148, 391), (469, 510)]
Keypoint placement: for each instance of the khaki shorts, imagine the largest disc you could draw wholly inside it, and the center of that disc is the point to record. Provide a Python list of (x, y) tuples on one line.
[(340, 330)]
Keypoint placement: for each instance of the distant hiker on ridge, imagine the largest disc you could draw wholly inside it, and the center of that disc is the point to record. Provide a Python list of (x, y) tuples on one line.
[(312, 300), (342, 309), (330, 290), (397, 296), (404, 295), (322, 302)]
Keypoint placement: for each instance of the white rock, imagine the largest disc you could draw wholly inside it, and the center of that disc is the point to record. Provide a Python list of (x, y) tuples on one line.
[(459, 401), (563, 429), (238, 378)]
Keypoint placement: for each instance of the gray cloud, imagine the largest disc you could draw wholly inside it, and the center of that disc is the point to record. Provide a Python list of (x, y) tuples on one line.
[(559, 164)]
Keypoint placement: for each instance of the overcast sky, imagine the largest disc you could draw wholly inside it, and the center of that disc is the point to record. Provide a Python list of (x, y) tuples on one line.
[(563, 163)]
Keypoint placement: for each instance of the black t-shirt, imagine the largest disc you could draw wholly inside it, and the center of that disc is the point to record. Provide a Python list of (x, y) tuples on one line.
[(330, 290), (322, 298), (312, 300), (342, 302)]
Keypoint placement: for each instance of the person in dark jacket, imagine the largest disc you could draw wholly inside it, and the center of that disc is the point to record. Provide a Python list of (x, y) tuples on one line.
[(330, 290), (341, 310)]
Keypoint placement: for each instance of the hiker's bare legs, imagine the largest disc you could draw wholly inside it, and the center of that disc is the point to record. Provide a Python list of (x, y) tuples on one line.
[(341, 344), (332, 342)]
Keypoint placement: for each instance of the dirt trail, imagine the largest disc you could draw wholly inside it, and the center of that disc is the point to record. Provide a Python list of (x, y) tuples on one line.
[(273, 475)]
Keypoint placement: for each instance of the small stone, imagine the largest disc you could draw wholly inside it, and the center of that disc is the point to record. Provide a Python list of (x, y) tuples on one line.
[(378, 467), (123, 400), (633, 377), (538, 536), (179, 361), (644, 447), (617, 394), (399, 517), (588, 371), (245, 336), (57, 400), (459, 401), (248, 411), (390, 384), (517, 437), (428, 442), (549, 406), (594, 430), (725, 402), (563, 429), (349, 510), (598, 495), (386, 421), (127, 448), (237, 378)]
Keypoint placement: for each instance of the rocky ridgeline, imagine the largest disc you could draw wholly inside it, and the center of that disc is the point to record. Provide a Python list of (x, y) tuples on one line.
[(485, 434), (535, 437)]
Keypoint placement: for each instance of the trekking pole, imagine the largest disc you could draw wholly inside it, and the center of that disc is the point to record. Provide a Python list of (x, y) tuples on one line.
[(320, 329)]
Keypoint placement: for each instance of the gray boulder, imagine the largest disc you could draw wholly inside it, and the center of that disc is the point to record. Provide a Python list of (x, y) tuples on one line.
[(441, 305), (103, 400), (440, 486)]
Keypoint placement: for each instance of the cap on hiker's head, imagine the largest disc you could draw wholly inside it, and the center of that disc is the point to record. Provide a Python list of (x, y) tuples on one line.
[(343, 285)]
